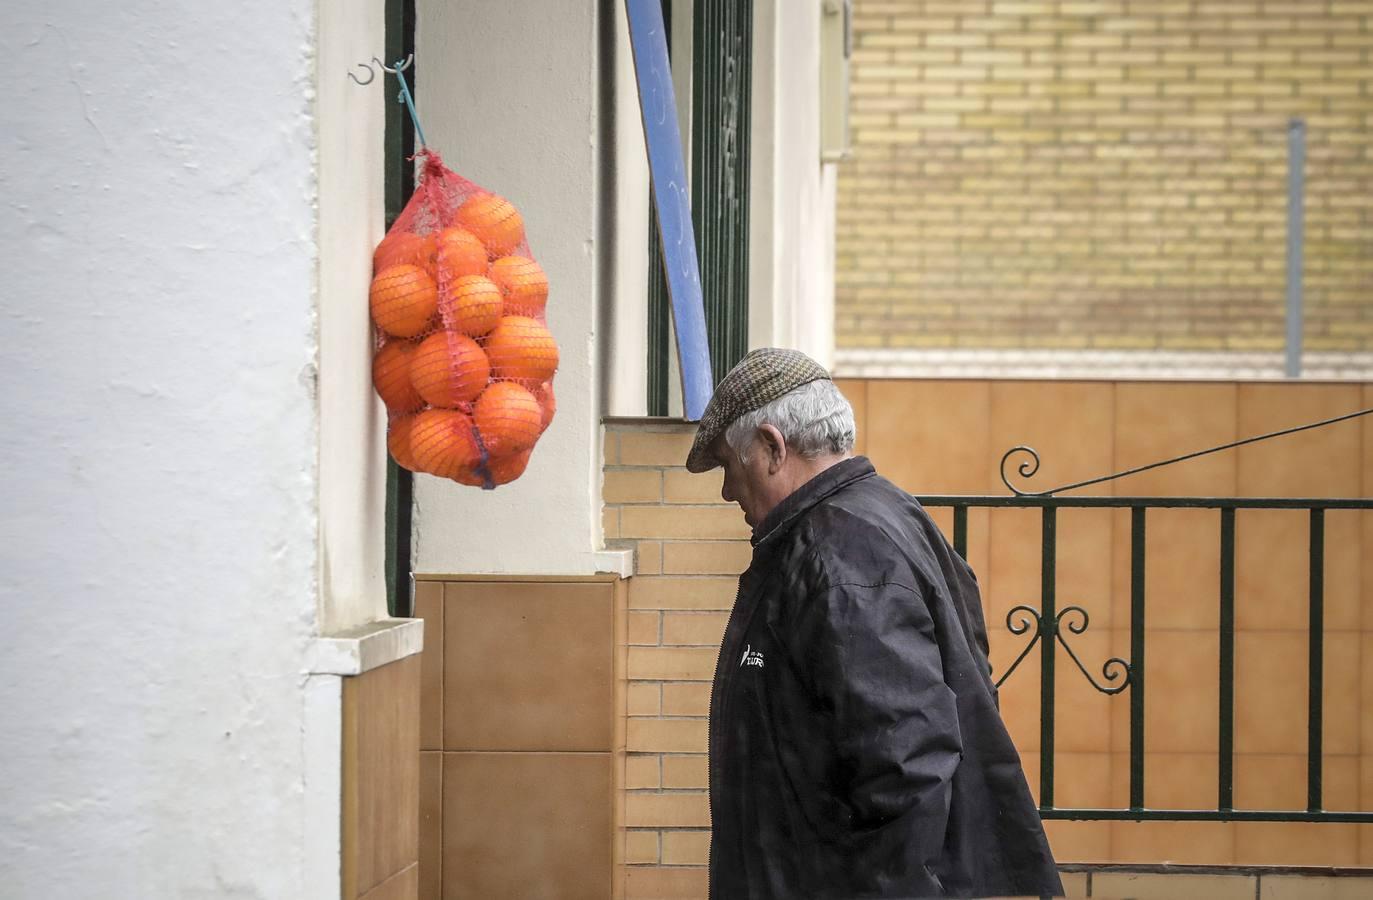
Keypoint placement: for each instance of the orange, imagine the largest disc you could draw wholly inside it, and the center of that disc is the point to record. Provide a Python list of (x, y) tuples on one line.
[(460, 252), (544, 394), (449, 369), (403, 300), (404, 247), (521, 347), (472, 304), (523, 283), (391, 377), (508, 417), (495, 220), (502, 469), (398, 442), (442, 442)]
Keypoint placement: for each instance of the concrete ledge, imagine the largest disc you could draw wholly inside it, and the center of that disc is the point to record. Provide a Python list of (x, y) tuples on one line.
[(1095, 365), (366, 647)]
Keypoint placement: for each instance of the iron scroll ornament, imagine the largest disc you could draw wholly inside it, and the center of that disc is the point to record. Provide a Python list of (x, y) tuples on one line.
[(1029, 467), (1112, 670)]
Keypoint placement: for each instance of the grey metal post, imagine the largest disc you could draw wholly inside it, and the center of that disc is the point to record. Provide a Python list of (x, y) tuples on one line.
[(1296, 189)]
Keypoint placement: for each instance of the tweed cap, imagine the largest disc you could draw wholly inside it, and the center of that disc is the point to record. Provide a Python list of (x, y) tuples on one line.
[(760, 378)]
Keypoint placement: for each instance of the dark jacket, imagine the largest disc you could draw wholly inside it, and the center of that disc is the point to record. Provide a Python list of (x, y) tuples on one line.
[(855, 745)]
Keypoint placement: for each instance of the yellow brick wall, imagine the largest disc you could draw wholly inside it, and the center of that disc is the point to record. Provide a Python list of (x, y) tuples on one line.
[(1104, 173)]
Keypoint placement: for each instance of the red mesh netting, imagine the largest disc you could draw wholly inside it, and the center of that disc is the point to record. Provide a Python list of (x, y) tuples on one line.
[(464, 359)]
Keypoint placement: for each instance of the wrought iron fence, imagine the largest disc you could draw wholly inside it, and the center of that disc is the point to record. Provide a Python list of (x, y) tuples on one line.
[(1046, 628)]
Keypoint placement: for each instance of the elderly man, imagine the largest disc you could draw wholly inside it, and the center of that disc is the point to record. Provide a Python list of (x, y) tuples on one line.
[(855, 745)]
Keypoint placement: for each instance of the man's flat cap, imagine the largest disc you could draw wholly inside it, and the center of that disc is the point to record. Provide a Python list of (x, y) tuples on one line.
[(760, 378)]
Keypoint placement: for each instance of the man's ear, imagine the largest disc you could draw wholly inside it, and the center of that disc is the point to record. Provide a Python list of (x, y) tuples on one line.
[(774, 445)]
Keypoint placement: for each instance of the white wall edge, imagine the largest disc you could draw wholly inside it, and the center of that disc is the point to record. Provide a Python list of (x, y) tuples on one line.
[(615, 562), (365, 647), (322, 723)]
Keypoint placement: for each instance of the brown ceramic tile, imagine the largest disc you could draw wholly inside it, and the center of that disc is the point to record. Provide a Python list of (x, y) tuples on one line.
[(404, 885), (1019, 693), (856, 392), (931, 437), (381, 774), (431, 825), (686, 848), (1069, 424), (1296, 844), (1315, 887), (1278, 781), (528, 666), (664, 883), (1139, 886), (1181, 704), (1181, 569), (1272, 569), (429, 607), (527, 825), (1079, 842), (1342, 705), (1171, 780), (1323, 462), (1366, 698), (1270, 692), (1157, 421), (1182, 843), (1082, 713)]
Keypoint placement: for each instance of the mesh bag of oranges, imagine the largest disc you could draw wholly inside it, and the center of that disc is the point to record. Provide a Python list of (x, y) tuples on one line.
[(464, 359)]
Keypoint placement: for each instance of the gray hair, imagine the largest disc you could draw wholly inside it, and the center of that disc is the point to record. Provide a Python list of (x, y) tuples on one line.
[(814, 418)]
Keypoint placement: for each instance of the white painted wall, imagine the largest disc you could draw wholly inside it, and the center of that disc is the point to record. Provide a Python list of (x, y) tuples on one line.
[(791, 285), (352, 420), (510, 97), (159, 567)]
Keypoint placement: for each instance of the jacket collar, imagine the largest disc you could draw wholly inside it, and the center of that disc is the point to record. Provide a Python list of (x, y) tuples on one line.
[(785, 514)]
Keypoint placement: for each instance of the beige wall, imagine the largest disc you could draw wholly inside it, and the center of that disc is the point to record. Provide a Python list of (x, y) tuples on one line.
[(1105, 174), (947, 437)]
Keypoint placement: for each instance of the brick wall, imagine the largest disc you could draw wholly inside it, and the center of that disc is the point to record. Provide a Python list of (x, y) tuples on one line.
[(1104, 174), (691, 547)]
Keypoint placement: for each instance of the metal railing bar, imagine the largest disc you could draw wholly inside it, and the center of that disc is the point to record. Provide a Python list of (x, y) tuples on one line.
[(1048, 626), (976, 501), (1225, 798), (960, 531), (1137, 658), (1205, 815), (1316, 662), (1028, 468)]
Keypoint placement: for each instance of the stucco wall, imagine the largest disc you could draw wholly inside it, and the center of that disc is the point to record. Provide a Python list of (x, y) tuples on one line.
[(510, 99), (158, 570)]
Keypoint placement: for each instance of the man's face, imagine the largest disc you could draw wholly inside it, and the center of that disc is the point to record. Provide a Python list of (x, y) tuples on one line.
[(746, 484)]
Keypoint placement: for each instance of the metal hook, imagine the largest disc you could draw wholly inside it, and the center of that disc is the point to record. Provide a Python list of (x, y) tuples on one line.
[(372, 73), (400, 68)]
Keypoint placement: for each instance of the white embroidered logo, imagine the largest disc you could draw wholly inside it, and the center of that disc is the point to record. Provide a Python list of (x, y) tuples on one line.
[(751, 657)]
